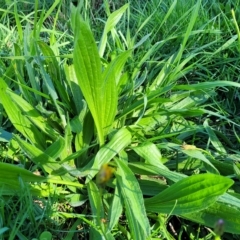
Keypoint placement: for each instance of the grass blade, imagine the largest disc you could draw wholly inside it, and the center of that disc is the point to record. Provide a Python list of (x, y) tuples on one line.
[(112, 21), (214, 139)]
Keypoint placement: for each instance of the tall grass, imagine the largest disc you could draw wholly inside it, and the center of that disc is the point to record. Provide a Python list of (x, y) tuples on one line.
[(119, 120)]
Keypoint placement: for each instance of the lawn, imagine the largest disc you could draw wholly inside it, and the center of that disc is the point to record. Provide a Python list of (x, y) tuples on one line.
[(119, 119)]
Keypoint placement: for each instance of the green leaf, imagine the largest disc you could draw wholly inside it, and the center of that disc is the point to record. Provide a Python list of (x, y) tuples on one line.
[(10, 174), (150, 153), (214, 139), (33, 115), (3, 230), (208, 85), (5, 136), (230, 200), (55, 150), (43, 160), (111, 76), (99, 91), (133, 201), (87, 66), (190, 194), (151, 186), (84, 137), (68, 137), (115, 209), (147, 169), (210, 216), (50, 88), (71, 233), (18, 23), (18, 119), (75, 89), (140, 103), (119, 141), (46, 235), (53, 70), (31, 71), (50, 60), (95, 200), (198, 155), (76, 199), (112, 21)]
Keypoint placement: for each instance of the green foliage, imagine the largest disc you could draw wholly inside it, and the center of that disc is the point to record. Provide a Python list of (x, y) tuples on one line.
[(189, 194), (133, 201), (149, 90), (100, 92)]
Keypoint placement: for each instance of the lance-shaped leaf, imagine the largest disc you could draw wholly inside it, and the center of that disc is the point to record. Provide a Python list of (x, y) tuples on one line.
[(54, 71), (115, 209), (119, 141), (195, 153), (111, 76), (99, 91), (10, 174), (97, 209), (218, 211), (19, 120), (133, 201), (112, 21), (88, 71), (150, 153), (33, 115), (41, 158), (189, 194)]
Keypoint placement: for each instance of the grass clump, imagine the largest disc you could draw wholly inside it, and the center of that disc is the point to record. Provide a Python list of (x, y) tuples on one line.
[(119, 121)]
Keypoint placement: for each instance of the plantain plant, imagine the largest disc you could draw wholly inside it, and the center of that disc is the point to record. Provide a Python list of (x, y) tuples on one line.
[(89, 132)]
